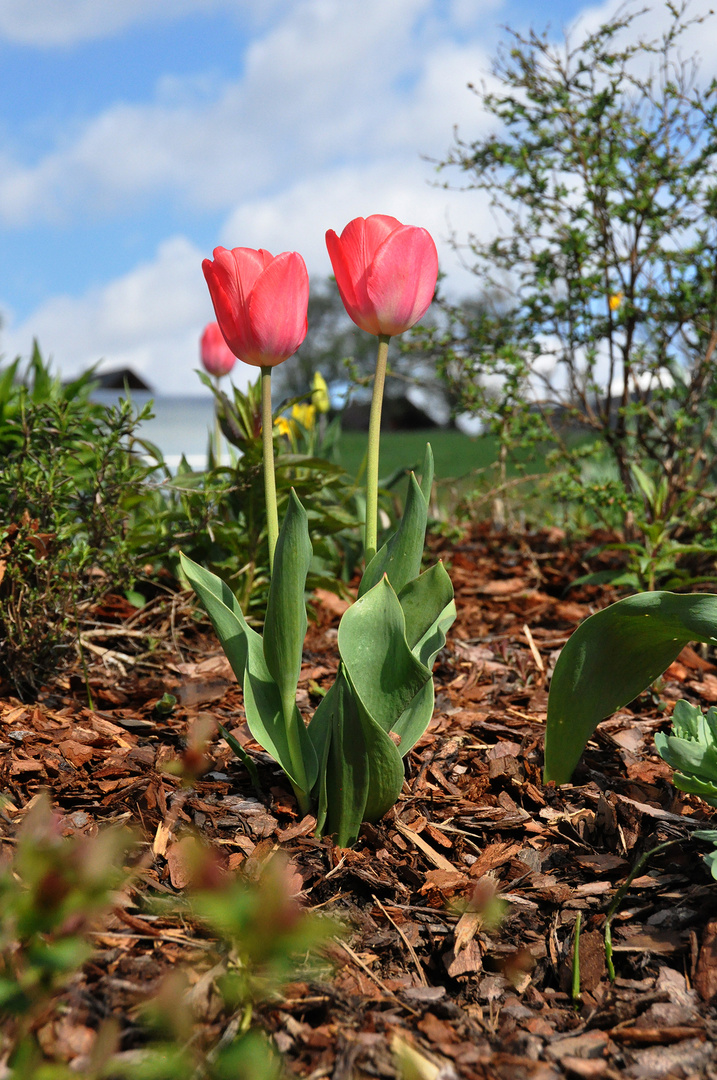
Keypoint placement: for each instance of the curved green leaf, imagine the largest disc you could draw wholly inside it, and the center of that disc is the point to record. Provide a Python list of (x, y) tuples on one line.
[(611, 658), (262, 699), (361, 772), (285, 623), (423, 599), (400, 557), (414, 720), (223, 609), (381, 667), (427, 474)]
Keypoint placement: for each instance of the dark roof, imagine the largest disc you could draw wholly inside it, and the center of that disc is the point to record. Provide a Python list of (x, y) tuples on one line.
[(398, 414), (118, 378)]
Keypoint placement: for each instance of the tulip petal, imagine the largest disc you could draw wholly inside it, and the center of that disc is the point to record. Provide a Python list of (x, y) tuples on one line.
[(344, 274), (241, 267), (277, 309), (402, 279), (359, 242), (230, 278), (377, 228)]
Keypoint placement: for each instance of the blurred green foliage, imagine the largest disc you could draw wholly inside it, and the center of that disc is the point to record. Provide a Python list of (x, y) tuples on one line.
[(54, 892)]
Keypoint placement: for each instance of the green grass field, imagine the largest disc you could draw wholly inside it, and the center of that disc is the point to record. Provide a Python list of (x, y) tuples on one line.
[(455, 454), (462, 464)]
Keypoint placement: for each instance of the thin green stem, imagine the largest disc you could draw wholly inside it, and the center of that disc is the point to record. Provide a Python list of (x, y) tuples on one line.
[(374, 438), (267, 437), (617, 899), (217, 429), (575, 988)]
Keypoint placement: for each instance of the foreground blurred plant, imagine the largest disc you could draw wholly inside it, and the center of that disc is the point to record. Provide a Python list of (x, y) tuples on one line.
[(69, 483), (54, 893), (266, 939), (50, 895), (347, 765)]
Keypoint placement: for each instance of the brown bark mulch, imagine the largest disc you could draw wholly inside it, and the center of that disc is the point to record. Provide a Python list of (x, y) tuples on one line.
[(477, 989)]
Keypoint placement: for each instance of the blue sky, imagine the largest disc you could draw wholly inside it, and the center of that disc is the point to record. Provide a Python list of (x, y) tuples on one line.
[(136, 135)]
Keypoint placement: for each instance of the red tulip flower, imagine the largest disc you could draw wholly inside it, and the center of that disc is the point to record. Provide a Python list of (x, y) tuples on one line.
[(386, 272), (217, 358), (260, 302)]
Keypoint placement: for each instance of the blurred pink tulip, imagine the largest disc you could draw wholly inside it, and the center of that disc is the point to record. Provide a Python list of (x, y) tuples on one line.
[(260, 302), (217, 357), (386, 272)]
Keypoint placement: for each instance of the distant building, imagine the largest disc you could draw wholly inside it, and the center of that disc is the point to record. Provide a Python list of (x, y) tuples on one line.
[(398, 414), (118, 378)]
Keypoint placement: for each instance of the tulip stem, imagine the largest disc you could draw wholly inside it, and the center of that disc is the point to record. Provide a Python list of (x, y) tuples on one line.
[(267, 436), (217, 426), (374, 439)]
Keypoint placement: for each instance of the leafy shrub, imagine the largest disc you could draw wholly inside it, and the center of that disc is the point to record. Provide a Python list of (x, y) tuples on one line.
[(69, 483), (598, 315)]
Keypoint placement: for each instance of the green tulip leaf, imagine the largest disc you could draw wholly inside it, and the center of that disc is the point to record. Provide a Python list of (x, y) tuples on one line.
[(611, 658), (284, 737), (414, 720), (223, 609), (287, 742), (285, 623), (427, 474), (319, 730), (361, 772), (400, 557), (423, 599), (380, 665)]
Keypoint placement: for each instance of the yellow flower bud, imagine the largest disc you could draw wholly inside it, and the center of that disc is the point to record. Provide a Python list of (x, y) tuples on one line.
[(320, 393)]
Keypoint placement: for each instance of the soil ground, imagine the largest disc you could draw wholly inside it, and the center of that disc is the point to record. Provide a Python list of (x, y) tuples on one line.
[(421, 962)]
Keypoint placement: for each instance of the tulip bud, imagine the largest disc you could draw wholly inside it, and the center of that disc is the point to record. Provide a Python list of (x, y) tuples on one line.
[(216, 356)]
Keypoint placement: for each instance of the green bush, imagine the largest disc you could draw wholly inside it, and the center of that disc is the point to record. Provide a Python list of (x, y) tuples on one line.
[(70, 481), (53, 893), (598, 308)]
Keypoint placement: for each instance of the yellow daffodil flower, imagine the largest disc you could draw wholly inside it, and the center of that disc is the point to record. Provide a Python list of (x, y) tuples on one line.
[(283, 426), (304, 414)]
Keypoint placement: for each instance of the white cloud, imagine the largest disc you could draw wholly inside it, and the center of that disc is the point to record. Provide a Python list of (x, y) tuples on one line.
[(149, 320), (297, 219), (62, 23), (333, 83), (328, 122)]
